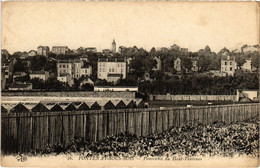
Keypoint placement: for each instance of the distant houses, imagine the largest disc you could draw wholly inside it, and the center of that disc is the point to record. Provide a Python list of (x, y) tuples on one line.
[(73, 65), (70, 69)]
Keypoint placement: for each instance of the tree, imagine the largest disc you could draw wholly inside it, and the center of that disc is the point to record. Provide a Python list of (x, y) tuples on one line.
[(51, 66), (38, 63), (38, 83), (20, 66), (187, 64), (53, 84), (87, 87), (203, 63), (240, 60), (255, 59), (103, 82), (17, 54), (207, 49)]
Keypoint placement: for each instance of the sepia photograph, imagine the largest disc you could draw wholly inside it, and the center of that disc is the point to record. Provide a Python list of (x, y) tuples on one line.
[(130, 84)]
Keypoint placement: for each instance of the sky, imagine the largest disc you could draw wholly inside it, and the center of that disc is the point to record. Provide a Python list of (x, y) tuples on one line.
[(192, 25)]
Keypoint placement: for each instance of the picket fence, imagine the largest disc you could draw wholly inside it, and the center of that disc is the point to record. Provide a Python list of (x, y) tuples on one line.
[(24, 132)]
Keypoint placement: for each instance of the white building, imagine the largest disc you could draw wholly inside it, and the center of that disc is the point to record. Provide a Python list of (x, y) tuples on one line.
[(112, 69), (44, 75), (228, 65)]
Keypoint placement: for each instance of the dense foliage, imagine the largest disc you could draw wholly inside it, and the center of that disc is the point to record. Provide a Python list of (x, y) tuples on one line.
[(200, 84), (218, 139)]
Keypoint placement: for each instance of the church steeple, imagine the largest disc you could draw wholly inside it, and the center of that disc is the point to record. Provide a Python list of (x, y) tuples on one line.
[(114, 46)]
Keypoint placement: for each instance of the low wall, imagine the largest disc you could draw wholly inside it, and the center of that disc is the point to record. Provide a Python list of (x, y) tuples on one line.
[(194, 97), (73, 94)]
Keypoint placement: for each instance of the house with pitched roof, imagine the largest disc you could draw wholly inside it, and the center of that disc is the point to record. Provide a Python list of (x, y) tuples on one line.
[(43, 50)]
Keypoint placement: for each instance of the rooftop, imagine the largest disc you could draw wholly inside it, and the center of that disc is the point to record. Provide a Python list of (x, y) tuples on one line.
[(44, 47), (225, 57)]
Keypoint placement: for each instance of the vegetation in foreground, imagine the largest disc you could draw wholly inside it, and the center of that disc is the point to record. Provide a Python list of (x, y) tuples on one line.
[(218, 139)]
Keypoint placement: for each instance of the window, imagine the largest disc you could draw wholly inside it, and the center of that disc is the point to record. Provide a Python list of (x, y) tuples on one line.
[(109, 69), (99, 69), (112, 69), (103, 69), (225, 63), (225, 68), (230, 68), (118, 64), (63, 66), (86, 71), (230, 63)]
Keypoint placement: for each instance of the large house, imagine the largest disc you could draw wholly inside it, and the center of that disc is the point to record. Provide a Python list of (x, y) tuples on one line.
[(60, 50), (73, 68), (111, 68), (44, 75), (228, 65), (43, 50)]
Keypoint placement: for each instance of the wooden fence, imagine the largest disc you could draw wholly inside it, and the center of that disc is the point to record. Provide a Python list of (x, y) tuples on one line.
[(23, 132)]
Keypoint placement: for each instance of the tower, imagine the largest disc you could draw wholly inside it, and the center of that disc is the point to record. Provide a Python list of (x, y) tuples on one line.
[(114, 46)]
